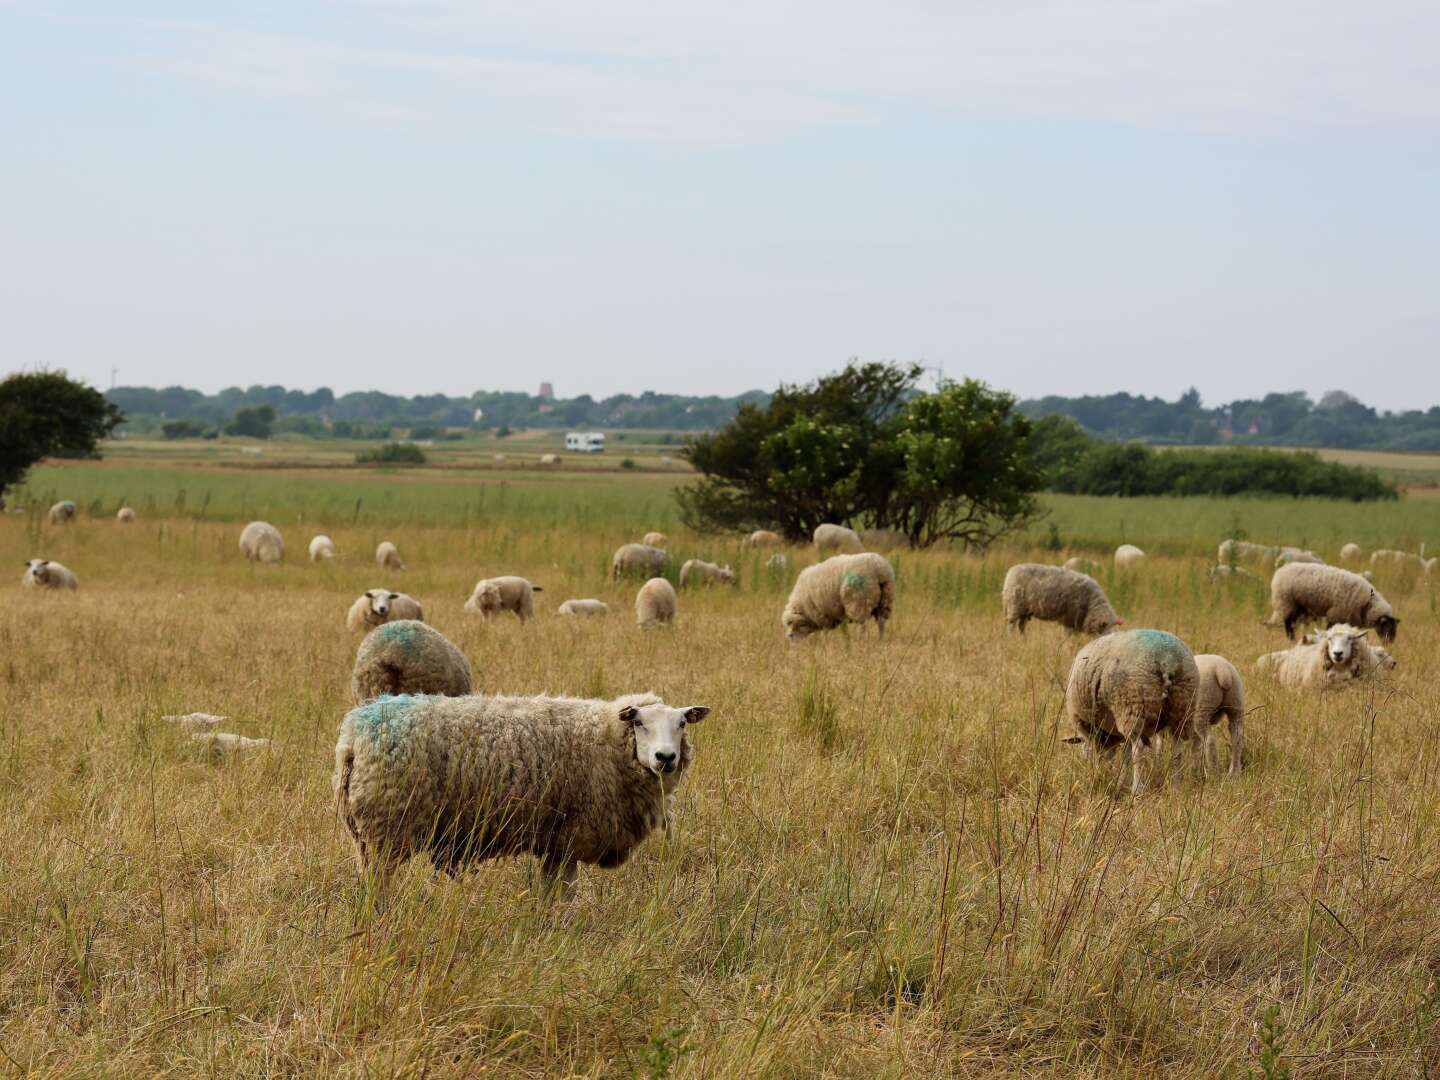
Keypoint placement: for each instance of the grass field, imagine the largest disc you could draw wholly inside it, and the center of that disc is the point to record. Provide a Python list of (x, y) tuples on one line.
[(886, 863)]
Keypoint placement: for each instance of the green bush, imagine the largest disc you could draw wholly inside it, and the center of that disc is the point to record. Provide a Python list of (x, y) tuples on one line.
[(394, 453)]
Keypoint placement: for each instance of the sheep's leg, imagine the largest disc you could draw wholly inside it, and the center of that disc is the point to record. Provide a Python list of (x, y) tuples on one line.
[(1212, 750), (1137, 766), (1179, 744), (880, 623), (1237, 745), (562, 872)]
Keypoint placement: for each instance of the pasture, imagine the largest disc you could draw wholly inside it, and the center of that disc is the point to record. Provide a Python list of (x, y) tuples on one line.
[(886, 861)]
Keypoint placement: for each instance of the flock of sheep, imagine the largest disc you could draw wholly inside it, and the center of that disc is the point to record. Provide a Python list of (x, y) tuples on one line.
[(425, 763)]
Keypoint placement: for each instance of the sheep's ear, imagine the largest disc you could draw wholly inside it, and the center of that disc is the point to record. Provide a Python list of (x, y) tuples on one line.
[(42, 562), (394, 596), (1363, 633), (629, 714), (695, 713)]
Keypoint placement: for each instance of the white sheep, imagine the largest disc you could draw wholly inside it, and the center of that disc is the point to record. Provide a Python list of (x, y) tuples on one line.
[(1290, 555), (1082, 565), (125, 516), (1337, 657), (697, 572), (1236, 551), (842, 589), (655, 603), (322, 548), (491, 596), (408, 657), (1226, 570), (62, 512), (837, 538), (261, 542), (777, 563), (48, 574), (1403, 560), (1055, 594), (222, 744), (1219, 695), (656, 540), (1329, 593), (1128, 687), (387, 556), (1352, 552), (376, 606), (638, 559), (764, 538), (549, 459), (584, 607), (1128, 556), (466, 779)]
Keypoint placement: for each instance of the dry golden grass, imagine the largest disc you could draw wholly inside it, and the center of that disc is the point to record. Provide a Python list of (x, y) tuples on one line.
[(885, 864)]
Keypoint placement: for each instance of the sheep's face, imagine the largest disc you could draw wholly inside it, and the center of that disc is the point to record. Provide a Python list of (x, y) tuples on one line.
[(797, 627), (660, 733), (488, 597), (380, 604), (1339, 644), (39, 569)]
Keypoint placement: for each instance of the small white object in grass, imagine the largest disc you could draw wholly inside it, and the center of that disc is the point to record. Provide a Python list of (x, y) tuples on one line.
[(195, 721)]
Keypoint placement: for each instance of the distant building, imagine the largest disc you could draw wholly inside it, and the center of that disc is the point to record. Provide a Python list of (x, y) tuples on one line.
[(547, 391)]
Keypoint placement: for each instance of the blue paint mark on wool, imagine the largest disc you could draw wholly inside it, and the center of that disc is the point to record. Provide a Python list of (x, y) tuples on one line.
[(853, 580), (402, 635), (1159, 644), (386, 719)]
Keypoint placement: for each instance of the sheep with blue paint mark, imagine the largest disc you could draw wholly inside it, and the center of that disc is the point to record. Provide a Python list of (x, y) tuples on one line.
[(408, 657), (842, 589), (569, 780)]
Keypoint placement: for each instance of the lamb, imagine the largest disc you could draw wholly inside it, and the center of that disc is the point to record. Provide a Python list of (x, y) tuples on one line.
[(583, 607), (1352, 553), (62, 513), (1128, 556), (837, 538), (1053, 593), (491, 596), (569, 780), (387, 556), (764, 538), (322, 547), (1128, 687), (656, 539), (637, 559), (655, 603), (699, 572), (46, 574), (125, 516), (1235, 551), (1220, 693), (261, 542), (1331, 594), (408, 657), (1290, 555), (376, 606), (1402, 559), (1337, 657), (840, 590)]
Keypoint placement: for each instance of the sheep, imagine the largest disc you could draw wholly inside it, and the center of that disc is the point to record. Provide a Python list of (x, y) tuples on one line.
[(1234, 551), (1352, 553), (549, 459), (764, 538), (387, 556), (491, 596), (1374, 658), (655, 603), (1128, 687), (569, 780), (656, 540), (125, 516), (47, 574), (261, 542), (62, 513), (1082, 565), (408, 657), (583, 607), (1225, 570), (195, 721), (777, 563), (699, 572), (882, 539), (1290, 555), (1331, 594), (840, 590), (376, 606), (837, 538), (1220, 693), (1053, 593), (637, 559), (322, 548), (1128, 556), (1402, 559), (1337, 657), (221, 744)]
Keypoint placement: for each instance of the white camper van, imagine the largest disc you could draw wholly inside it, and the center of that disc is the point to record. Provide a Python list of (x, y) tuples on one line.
[(585, 442)]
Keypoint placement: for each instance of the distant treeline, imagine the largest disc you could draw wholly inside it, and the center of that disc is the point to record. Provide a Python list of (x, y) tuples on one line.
[(372, 413), (1336, 420)]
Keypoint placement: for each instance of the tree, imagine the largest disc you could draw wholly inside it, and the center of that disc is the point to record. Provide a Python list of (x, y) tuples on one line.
[(45, 414), (256, 422)]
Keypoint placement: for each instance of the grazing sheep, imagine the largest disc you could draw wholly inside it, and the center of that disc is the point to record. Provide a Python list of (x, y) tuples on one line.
[(376, 606), (261, 542), (1236, 551), (764, 538), (1337, 657), (125, 516), (842, 589), (584, 607), (1128, 687), (1128, 556), (46, 574), (837, 538), (1329, 593), (322, 547), (491, 596), (655, 603), (699, 572), (1053, 593), (62, 513), (656, 540), (1290, 555), (1220, 693), (637, 560), (1352, 553), (408, 657), (387, 556), (1082, 565), (195, 721), (1225, 570), (777, 563), (549, 459), (1403, 559), (568, 780), (222, 744), (882, 539)]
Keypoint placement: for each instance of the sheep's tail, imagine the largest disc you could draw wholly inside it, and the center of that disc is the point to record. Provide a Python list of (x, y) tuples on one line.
[(536, 588), (345, 768)]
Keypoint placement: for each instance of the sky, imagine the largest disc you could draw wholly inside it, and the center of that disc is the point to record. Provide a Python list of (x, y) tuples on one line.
[(420, 196)]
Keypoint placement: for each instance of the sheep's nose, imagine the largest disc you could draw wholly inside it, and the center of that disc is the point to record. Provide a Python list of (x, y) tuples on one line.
[(665, 759)]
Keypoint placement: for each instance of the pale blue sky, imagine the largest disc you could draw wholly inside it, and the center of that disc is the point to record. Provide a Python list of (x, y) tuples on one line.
[(438, 195)]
